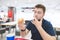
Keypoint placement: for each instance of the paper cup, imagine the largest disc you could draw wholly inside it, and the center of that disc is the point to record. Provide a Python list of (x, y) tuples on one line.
[(10, 37)]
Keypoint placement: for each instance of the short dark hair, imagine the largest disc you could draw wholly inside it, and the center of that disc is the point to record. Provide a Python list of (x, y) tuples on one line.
[(41, 6)]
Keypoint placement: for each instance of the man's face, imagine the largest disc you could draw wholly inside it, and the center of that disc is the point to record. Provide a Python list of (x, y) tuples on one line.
[(38, 13)]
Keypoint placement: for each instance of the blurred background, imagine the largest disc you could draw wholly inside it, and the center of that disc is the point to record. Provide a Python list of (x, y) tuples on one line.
[(23, 8), (15, 9)]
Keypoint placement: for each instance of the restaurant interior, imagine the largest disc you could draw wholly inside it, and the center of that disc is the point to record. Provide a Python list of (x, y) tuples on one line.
[(12, 10)]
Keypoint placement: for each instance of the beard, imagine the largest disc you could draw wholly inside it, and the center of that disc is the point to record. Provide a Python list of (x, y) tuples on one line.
[(38, 19)]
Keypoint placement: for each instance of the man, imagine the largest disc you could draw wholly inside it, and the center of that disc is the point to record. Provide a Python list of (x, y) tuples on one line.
[(40, 28)]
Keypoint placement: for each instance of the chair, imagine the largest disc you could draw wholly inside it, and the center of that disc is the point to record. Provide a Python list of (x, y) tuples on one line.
[(4, 26), (57, 32), (2, 30), (7, 28), (26, 22), (17, 33), (14, 26)]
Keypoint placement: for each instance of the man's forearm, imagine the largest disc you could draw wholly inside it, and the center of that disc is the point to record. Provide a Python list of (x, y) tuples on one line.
[(45, 35)]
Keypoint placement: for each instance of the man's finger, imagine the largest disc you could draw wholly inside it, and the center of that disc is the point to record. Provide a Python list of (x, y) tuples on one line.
[(41, 20), (35, 18), (33, 21)]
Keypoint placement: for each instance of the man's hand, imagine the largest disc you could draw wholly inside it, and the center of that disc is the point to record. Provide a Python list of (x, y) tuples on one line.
[(36, 22), (21, 26)]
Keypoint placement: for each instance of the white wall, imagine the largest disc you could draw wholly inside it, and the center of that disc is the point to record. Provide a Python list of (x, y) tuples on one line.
[(53, 16)]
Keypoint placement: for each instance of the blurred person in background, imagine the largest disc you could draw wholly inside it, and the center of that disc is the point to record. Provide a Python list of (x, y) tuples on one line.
[(41, 29), (5, 18)]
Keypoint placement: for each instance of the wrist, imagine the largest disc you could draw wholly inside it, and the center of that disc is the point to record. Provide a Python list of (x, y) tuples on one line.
[(23, 29)]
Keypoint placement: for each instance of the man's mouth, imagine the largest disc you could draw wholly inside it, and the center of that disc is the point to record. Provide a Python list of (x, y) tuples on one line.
[(38, 19)]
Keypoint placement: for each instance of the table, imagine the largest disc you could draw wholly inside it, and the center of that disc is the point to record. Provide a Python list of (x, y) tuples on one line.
[(56, 26), (9, 24)]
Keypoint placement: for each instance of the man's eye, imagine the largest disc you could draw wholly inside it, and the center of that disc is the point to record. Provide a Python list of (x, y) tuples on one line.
[(39, 12)]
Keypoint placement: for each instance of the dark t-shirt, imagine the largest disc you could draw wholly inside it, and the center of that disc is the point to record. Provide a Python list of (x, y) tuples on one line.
[(47, 26)]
